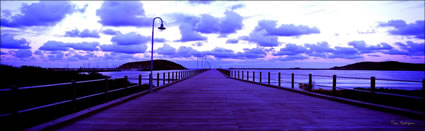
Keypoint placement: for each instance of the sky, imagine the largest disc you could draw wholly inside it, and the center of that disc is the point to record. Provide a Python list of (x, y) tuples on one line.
[(224, 34)]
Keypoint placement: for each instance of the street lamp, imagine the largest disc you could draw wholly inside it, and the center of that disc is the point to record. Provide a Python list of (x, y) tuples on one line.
[(161, 28)]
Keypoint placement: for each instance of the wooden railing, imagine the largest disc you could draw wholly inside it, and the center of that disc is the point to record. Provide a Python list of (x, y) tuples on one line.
[(67, 97)]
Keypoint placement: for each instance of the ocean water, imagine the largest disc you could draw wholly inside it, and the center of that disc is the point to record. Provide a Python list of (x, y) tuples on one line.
[(398, 78), (301, 76)]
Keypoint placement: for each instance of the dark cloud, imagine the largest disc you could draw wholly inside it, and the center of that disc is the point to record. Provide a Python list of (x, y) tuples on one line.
[(252, 53), (220, 52), (188, 34), (232, 41), (55, 55), (62, 46), (123, 13), (43, 13), (262, 39), (285, 29), (127, 49), (408, 49), (208, 24), (83, 34), (159, 40), (345, 53), (185, 51), (361, 46), (196, 2), (131, 38), (23, 53), (320, 49), (291, 49), (10, 42), (166, 50), (111, 32), (237, 6), (416, 29)]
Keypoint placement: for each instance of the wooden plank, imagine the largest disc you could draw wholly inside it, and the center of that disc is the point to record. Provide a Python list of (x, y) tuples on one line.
[(210, 101)]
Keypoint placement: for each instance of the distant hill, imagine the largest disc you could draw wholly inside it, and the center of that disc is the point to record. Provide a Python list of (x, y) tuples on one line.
[(157, 65), (387, 65)]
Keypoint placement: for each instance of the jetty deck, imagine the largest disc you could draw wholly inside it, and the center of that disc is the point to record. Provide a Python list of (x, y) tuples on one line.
[(210, 101)]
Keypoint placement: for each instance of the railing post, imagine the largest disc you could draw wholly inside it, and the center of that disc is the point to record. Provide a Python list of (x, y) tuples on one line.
[(261, 78), (247, 75), (268, 78), (106, 89), (292, 80), (126, 82), (140, 80), (238, 74), (157, 79), (310, 82), (74, 95), (172, 76), (334, 85), (253, 76), (279, 78), (372, 84), (242, 75), (163, 78), (168, 77)]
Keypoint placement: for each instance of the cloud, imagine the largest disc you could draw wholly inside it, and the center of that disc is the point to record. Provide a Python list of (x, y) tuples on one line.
[(196, 2), (55, 55), (230, 23), (111, 32), (291, 49), (123, 13), (361, 46), (232, 41), (252, 53), (3, 53), (320, 49), (83, 34), (128, 49), (54, 46), (159, 40), (237, 6), (188, 34), (220, 52), (408, 49), (9, 41), (131, 38), (262, 39), (43, 13), (185, 51), (293, 57), (416, 29), (62, 46), (166, 50), (23, 53), (345, 53), (285, 29)]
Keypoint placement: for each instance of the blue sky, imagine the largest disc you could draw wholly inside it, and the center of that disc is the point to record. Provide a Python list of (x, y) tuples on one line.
[(224, 33)]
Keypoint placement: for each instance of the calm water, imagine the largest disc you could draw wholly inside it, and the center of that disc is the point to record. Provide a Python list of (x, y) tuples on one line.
[(320, 82), (301, 76)]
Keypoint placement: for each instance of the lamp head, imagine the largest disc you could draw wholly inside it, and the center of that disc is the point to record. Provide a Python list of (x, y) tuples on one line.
[(161, 27)]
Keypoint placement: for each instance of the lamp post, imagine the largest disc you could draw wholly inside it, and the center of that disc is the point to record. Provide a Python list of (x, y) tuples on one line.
[(161, 28)]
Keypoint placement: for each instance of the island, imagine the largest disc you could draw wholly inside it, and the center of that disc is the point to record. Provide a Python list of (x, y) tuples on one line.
[(157, 65), (386, 65)]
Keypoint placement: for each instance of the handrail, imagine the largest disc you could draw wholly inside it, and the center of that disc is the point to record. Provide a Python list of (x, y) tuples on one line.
[(237, 73), (178, 75)]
